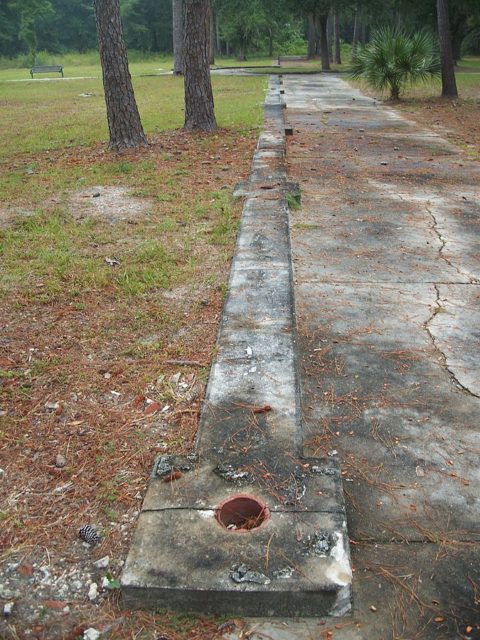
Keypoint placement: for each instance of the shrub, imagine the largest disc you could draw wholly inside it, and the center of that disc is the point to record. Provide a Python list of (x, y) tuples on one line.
[(392, 59)]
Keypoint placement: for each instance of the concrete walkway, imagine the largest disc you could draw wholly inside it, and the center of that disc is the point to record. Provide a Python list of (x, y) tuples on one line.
[(386, 254)]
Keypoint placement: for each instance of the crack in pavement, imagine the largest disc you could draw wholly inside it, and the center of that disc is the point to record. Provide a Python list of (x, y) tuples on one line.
[(441, 309), (443, 242)]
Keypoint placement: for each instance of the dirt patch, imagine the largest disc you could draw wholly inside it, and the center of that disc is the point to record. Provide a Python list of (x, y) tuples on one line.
[(455, 120), (8, 216), (110, 203)]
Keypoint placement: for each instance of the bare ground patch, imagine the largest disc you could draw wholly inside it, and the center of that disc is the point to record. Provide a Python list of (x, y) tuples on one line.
[(110, 203)]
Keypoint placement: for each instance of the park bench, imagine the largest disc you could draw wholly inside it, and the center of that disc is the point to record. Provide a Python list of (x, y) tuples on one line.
[(45, 68)]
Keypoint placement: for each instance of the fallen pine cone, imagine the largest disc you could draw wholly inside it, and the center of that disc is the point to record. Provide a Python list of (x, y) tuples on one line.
[(89, 534)]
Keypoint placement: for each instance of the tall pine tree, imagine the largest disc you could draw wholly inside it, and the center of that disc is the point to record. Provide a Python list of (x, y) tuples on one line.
[(123, 117)]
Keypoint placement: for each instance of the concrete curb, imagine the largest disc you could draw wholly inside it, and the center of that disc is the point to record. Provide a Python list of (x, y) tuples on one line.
[(294, 561)]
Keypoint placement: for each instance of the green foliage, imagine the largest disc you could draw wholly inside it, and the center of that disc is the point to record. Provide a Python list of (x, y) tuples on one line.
[(9, 28), (147, 24), (58, 26), (392, 59), (471, 42), (71, 25), (241, 23), (29, 13)]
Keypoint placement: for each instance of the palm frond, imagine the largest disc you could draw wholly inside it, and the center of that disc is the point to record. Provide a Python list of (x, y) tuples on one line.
[(393, 58)]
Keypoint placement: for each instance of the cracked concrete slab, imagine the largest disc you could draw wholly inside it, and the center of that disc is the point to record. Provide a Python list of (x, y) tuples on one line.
[(386, 277), (386, 269), (455, 328)]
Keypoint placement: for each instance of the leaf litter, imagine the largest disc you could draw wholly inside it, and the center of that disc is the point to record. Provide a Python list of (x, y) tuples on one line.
[(87, 402)]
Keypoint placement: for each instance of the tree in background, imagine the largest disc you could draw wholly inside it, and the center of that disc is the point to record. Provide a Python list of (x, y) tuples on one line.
[(123, 118), (9, 28), (29, 12), (337, 56), (471, 43), (241, 24), (316, 13), (70, 24), (321, 24), (211, 34), (147, 24), (449, 85), (277, 23), (199, 107), (178, 62)]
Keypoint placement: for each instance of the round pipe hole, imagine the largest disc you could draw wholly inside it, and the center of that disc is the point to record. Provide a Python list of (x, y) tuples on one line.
[(242, 513)]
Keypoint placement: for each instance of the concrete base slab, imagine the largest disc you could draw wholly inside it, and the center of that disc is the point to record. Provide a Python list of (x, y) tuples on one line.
[(273, 570), (311, 487)]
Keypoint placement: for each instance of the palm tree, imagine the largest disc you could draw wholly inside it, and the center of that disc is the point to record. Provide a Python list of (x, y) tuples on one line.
[(392, 59)]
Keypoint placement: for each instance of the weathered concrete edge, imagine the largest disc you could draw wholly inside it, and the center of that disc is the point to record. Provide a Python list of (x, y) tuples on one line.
[(271, 141), (271, 145)]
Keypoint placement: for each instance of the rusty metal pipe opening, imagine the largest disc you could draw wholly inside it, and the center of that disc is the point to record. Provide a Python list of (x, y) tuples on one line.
[(242, 513)]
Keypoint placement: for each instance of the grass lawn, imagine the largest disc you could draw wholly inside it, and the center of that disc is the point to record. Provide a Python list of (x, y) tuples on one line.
[(469, 62), (47, 115), (88, 65), (114, 271)]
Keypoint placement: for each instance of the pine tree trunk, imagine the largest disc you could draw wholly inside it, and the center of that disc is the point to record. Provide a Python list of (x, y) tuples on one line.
[(336, 31), (322, 29), (177, 12), (355, 33), (199, 108), (458, 31), (211, 39), (123, 118), (363, 33), (311, 36), (242, 51), (218, 39), (318, 43), (449, 85), (330, 37)]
